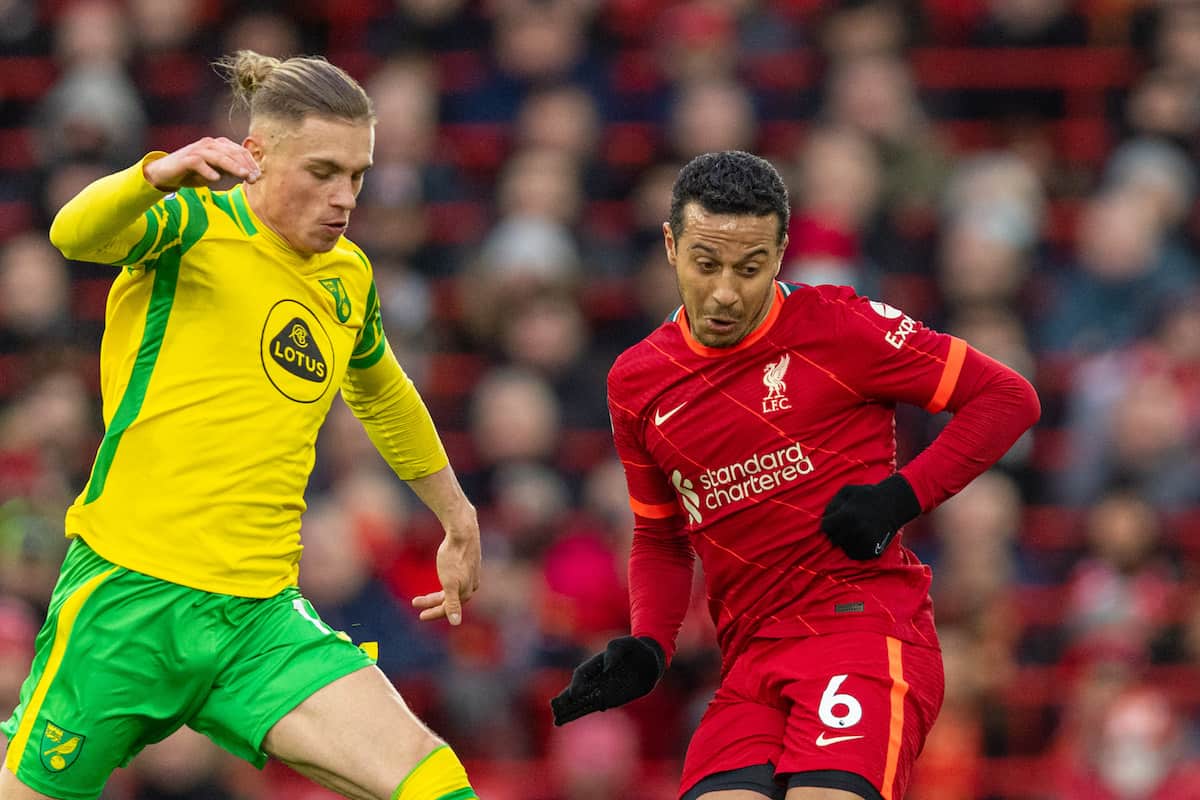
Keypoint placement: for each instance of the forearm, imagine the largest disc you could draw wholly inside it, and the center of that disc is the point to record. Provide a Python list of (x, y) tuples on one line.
[(107, 218), (992, 406), (660, 586)]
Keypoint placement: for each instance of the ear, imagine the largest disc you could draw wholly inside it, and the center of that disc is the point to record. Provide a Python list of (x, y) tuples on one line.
[(669, 242), (782, 249), (254, 143)]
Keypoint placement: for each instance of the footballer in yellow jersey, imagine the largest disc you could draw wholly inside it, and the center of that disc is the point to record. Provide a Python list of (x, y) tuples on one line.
[(223, 350), (233, 320)]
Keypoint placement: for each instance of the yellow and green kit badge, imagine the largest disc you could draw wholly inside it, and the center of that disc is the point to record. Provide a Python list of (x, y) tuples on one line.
[(60, 747)]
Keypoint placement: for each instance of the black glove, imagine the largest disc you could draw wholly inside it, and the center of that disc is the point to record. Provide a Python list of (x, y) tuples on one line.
[(862, 520), (627, 669)]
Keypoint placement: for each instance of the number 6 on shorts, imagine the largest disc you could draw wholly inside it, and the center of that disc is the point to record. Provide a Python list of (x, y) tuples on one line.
[(831, 700)]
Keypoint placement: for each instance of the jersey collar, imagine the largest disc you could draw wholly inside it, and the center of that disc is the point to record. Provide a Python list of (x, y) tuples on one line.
[(751, 339)]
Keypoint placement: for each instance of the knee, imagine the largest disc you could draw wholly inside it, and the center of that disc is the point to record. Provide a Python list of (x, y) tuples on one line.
[(438, 773)]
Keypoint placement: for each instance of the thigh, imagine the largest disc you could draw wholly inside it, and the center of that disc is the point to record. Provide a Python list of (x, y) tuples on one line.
[(860, 707), (355, 735), (277, 653), (98, 689), (740, 736)]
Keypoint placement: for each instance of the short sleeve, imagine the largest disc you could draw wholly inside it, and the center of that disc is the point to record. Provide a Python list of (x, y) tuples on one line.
[(371, 343), (892, 357)]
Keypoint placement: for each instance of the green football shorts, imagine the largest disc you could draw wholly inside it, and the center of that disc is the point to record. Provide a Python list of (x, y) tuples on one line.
[(125, 659)]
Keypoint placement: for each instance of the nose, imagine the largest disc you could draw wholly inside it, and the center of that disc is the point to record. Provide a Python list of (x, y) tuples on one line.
[(344, 196), (723, 292)]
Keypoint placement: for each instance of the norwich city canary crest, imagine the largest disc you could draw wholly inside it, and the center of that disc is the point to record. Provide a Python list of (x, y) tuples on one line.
[(60, 747)]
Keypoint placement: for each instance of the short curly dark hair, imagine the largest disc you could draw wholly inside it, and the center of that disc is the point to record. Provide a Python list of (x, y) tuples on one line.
[(730, 182)]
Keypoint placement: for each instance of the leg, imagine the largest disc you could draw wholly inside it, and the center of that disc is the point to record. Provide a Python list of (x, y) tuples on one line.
[(354, 736), (814, 793), (13, 789)]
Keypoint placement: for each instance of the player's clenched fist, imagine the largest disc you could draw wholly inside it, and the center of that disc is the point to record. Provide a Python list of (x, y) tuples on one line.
[(201, 163)]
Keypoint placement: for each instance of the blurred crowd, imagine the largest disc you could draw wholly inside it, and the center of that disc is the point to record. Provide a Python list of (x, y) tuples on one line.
[(1020, 173)]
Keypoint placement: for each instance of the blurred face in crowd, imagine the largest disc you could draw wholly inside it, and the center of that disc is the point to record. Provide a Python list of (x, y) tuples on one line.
[(725, 265), (311, 177)]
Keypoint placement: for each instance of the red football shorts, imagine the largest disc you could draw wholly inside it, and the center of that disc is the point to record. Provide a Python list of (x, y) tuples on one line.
[(848, 702)]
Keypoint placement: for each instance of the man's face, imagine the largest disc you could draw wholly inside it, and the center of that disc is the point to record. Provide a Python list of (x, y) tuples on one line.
[(725, 265), (311, 177)]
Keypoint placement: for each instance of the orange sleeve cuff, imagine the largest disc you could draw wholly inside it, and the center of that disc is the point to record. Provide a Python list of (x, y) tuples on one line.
[(653, 510)]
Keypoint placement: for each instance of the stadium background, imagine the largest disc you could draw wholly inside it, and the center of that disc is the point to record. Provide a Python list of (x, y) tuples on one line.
[(1018, 172)]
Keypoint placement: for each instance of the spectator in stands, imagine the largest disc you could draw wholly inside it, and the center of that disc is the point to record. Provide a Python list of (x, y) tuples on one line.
[(1164, 177), (541, 183), (563, 118), (165, 27), (983, 260), (875, 94), (837, 187), (184, 766), (597, 762), (340, 585), (34, 297), (1119, 281), (1173, 32), (92, 34), (522, 256), (951, 764), (515, 418), (406, 178), (998, 183), (1134, 414), (548, 334), (710, 116), (535, 43), (265, 31), (1164, 102), (1122, 591), (1030, 23), (50, 428), (697, 43), (426, 25), (849, 29), (977, 557), (18, 627), (1137, 752)]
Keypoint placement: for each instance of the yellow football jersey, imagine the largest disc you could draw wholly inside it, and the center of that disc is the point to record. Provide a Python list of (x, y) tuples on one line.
[(222, 351)]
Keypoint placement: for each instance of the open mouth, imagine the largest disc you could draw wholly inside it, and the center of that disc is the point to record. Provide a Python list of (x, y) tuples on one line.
[(334, 227)]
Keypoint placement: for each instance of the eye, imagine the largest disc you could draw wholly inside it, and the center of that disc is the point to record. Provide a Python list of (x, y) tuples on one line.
[(705, 264), (319, 174)]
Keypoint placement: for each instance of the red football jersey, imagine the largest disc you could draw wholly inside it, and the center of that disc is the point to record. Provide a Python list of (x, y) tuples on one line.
[(740, 449)]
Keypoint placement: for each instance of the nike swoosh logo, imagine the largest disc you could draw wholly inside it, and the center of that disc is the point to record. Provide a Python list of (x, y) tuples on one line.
[(823, 740), (660, 418)]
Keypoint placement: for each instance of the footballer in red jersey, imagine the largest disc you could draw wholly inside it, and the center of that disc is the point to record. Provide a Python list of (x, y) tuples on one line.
[(757, 431)]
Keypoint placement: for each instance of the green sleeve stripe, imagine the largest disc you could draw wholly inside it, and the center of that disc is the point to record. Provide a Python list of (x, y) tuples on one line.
[(372, 330), (363, 259), (371, 358), (239, 204), (139, 250), (162, 297), (221, 201), (460, 794)]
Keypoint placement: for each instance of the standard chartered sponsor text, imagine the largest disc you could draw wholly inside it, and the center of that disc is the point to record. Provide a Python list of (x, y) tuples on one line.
[(761, 472)]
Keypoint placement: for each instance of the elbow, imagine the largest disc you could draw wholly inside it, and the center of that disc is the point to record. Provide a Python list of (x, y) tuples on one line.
[(1030, 404), (60, 237)]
